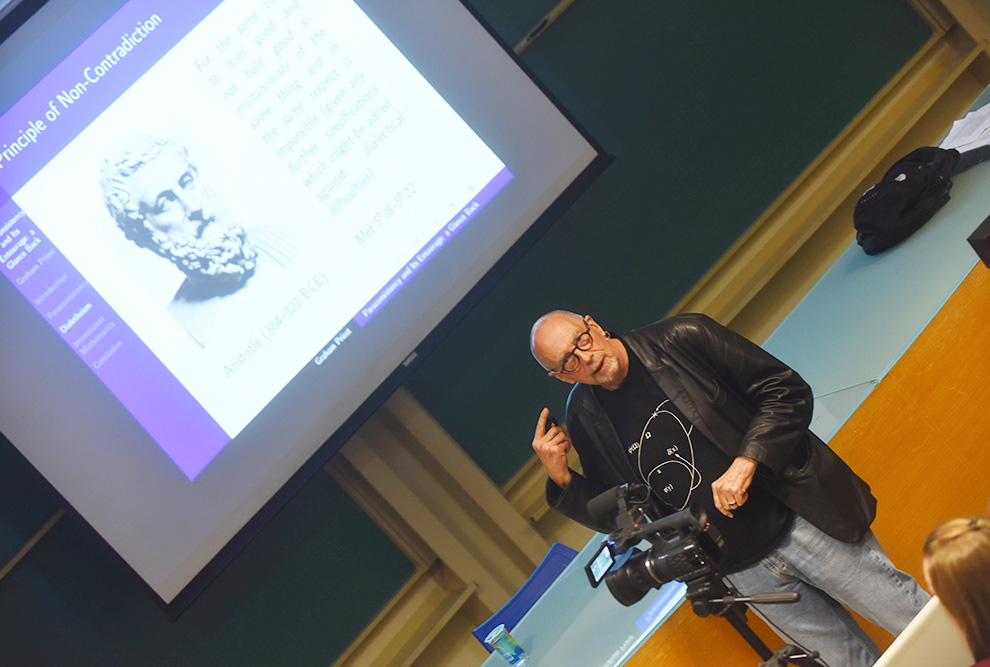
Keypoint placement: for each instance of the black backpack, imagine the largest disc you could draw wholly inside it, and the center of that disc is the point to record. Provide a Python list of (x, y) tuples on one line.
[(911, 191)]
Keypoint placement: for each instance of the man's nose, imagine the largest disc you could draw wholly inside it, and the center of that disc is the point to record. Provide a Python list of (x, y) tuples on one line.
[(586, 356), (194, 205)]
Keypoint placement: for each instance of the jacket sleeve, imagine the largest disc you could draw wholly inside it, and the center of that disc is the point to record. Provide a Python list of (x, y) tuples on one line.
[(572, 502), (778, 399)]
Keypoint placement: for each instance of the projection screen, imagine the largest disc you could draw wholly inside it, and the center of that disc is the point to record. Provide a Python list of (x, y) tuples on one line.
[(226, 228)]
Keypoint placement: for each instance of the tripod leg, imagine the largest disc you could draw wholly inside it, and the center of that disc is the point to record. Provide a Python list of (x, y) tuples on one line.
[(737, 618)]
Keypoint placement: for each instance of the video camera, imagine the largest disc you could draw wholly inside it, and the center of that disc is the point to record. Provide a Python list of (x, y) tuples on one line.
[(685, 546)]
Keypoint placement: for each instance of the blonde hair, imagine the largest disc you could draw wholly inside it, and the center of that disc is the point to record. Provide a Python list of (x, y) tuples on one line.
[(957, 555)]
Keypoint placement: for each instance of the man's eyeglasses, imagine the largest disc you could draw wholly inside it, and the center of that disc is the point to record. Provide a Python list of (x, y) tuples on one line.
[(584, 342)]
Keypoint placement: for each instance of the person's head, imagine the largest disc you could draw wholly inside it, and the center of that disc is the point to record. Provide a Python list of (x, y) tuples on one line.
[(957, 568), (576, 349), (154, 193)]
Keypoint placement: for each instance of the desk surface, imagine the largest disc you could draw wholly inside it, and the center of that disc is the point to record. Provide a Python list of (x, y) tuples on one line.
[(858, 320), (558, 629)]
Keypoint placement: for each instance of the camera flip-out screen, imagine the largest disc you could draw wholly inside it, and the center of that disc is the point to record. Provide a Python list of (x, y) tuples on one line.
[(600, 564)]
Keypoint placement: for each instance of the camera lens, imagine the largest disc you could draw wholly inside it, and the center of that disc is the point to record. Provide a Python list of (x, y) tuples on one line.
[(643, 571), (629, 582)]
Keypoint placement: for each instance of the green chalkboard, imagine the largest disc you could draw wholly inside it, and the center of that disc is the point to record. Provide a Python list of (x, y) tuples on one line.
[(711, 109)]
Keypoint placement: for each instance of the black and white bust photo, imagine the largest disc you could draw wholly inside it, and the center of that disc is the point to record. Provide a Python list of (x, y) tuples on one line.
[(155, 193)]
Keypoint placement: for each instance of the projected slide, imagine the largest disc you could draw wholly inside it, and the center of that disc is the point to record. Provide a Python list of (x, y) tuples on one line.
[(228, 230), (201, 202)]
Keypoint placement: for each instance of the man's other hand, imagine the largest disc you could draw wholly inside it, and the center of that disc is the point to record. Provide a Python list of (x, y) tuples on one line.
[(730, 491)]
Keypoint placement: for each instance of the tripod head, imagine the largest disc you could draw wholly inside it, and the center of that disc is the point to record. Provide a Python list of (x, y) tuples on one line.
[(714, 596)]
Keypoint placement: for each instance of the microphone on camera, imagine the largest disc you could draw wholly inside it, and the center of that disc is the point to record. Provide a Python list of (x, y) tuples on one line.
[(606, 504)]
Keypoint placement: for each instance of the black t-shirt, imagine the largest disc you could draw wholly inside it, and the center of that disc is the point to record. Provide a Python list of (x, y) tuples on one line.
[(679, 464)]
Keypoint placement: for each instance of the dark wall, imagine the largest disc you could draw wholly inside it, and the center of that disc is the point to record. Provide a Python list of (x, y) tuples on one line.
[(298, 595), (711, 110)]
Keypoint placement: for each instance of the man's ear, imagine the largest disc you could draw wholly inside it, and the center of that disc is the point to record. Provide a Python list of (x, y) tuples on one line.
[(562, 378)]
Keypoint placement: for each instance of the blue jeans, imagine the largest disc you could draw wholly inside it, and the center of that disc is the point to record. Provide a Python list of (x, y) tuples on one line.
[(829, 573)]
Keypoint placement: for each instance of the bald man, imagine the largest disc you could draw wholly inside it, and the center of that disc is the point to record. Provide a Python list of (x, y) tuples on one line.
[(703, 416)]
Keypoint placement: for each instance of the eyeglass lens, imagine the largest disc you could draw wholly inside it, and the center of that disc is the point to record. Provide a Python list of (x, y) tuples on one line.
[(571, 361)]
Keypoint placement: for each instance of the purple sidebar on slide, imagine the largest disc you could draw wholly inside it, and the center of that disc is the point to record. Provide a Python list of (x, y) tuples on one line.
[(125, 365), (39, 126)]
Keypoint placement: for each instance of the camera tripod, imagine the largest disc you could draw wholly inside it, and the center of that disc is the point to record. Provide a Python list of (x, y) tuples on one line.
[(711, 596), (684, 547)]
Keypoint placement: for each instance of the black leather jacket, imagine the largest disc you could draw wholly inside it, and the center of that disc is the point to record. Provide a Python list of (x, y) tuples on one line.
[(742, 399)]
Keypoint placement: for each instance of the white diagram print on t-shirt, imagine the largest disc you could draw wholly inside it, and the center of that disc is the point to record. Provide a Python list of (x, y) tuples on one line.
[(675, 477)]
